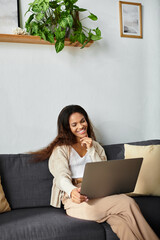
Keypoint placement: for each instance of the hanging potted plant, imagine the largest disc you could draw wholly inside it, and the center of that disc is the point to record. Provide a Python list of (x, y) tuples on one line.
[(55, 20)]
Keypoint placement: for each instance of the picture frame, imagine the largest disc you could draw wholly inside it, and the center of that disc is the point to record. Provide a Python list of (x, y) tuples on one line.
[(9, 16), (130, 19)]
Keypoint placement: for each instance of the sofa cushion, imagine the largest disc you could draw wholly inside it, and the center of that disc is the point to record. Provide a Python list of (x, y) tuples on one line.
[(47, 223), (116, 151), (150, 208), (148, 181), (4, 205), (25, 183), (110, 235)]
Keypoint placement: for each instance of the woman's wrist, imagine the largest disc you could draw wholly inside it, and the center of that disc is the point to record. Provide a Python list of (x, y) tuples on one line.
[(77, 197), (72, 191)]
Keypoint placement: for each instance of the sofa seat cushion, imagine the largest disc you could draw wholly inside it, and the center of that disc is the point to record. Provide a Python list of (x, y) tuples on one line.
[(150, 208), (110, 235), (47, 223)]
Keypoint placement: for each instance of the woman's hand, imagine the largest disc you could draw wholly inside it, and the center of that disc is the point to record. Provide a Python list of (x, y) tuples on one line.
[(86, 141), (77, 197)]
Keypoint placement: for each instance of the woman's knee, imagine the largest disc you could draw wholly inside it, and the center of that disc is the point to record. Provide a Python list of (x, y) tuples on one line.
[(84, 211), (94, 211), (130, 203), (130, 200)]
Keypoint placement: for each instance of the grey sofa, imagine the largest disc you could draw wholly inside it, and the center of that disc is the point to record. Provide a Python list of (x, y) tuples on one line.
[(27, 187)]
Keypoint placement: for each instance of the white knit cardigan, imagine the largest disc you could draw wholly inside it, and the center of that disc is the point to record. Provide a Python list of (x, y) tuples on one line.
[(59, 167)]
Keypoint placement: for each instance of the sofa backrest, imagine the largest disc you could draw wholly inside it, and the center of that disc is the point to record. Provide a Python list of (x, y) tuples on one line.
[(28, 184), (116, 151), (25, 183)]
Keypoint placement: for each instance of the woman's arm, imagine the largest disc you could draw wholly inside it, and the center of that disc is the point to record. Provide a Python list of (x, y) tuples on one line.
[(59, 168)]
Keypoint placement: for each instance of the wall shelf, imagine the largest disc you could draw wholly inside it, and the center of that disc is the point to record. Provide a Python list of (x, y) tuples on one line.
[(35, 40)]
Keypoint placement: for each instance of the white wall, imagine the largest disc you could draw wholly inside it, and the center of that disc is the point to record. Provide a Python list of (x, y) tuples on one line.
[(117, 80)]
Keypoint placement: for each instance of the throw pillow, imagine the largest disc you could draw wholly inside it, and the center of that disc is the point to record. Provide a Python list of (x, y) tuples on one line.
[(4, 205), (148, 182)]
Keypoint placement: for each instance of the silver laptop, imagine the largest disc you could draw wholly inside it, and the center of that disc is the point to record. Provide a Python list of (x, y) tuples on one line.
[(110, 177)]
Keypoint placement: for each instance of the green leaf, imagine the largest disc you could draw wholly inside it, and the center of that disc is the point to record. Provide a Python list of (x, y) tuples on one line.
[(79, 26), (90, 34), (59, 33), (46, 30), (98, 32), (56, 32), (28, 9), (82, 9), (39, 2), (59, 46), (79, 9), (63, 23), (85, 43), (73, 1), (63, 14), (30, 18), (48, 20), (95, 37), (72, 38), (93, 17), (75, 7), (81, 38), (53, 4), (69, 19), (43, 36), (36, 8), (27, 26), (50, 38), (45, 6), (62, 34), (34, 27), (39, 16)]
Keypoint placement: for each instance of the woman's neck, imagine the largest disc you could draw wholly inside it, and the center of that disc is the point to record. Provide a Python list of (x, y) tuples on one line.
[(81, 150), (78, 145)]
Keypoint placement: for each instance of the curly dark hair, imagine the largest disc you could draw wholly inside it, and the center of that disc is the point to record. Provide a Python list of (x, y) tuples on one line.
[(64, 136)]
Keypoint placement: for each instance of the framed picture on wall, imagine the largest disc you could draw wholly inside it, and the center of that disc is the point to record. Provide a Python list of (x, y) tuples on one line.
[(9, 16), (130, 19)]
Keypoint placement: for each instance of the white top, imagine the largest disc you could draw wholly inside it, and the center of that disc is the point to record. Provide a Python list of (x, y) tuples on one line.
[(77, 163)]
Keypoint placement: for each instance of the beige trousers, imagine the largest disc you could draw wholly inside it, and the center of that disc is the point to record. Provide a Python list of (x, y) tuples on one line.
[(119, 211)]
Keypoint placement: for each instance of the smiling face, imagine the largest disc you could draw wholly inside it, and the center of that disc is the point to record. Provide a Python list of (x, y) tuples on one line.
[(78, 125)]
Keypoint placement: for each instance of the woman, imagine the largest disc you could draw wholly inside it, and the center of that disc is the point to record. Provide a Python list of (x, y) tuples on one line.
[(73, 147)]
